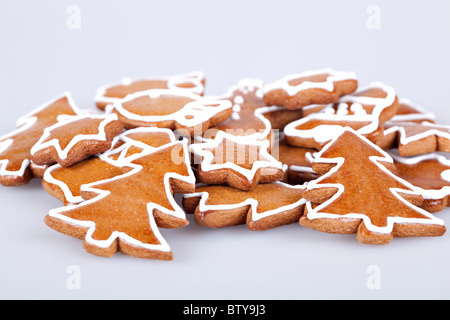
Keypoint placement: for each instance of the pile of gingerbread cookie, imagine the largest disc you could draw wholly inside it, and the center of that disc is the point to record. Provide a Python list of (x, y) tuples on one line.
[(312, 148)]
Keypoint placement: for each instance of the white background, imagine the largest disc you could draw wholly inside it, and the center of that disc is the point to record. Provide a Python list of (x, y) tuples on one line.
[(41, 57)]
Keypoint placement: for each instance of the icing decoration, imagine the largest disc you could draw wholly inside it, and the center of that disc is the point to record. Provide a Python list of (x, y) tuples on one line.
[(242, 165), (65, 183), (251, 118), (37, 170), (364, 111), (415, 138), (358, 193), (266, 206), (134, 141), (295, 91), (172, 109), (123, 213), (15, 146), (193, 82), (75, 138)]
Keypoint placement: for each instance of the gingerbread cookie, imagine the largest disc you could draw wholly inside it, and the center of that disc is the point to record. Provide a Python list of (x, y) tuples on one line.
[(15, 165), (38, 171), (75, 138), (134, 141), (123, 213), (251, 118), (266, 206), (364, 111), (193, 82), (410, 112), (189, 114), (65, 183), (430, 176), (296, 91), (358, 194), (298, 162), (242, 165), (415, 138)]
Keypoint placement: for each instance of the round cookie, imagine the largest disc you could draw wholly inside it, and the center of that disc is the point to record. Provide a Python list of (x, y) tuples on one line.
[(189, 114), (193, 82)]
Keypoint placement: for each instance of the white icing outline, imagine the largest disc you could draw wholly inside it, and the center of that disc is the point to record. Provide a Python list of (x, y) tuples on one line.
[(295, 168), (195, 78), (203, 207), (129, 142), (324, 133), (245, 86), (178, 211), (121, 161), (208, 157), (24, 123), (198, 109), (55, 143), (314, 184), (327, 85)]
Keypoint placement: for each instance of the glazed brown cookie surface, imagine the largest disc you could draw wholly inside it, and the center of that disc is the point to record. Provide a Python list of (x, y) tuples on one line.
[(123, 213), (357, 193), (296, 91), (193, 82), (267, 206), (189, 114), (75, 138), (15, 147), (364, 111)]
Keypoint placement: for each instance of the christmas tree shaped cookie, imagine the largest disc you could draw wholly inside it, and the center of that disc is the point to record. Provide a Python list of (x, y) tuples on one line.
[(15, 158), (359, 194), (123, 213), (65, 183)]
